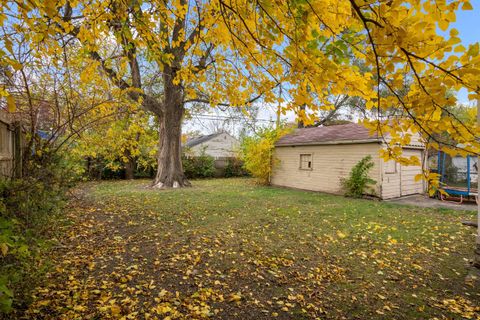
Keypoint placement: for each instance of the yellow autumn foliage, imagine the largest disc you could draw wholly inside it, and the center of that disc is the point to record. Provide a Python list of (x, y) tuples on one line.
[(230, 53), (257, 153)]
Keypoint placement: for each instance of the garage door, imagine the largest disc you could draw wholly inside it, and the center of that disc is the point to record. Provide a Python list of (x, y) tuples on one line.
[(408, 185)]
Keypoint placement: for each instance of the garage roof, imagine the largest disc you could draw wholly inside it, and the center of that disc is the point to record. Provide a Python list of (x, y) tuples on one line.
[(337, 134)]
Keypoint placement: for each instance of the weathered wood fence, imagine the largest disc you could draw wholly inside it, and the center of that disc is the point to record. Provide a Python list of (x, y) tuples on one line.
[(11, 140)]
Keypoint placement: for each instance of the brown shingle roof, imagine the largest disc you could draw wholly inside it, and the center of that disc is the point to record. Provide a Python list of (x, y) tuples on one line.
[(342, 133)]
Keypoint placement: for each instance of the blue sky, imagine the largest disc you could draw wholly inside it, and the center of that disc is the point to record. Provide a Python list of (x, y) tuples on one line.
[(468, 25)]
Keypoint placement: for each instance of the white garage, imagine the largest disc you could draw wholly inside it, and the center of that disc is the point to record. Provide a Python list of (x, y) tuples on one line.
[(317, 158)]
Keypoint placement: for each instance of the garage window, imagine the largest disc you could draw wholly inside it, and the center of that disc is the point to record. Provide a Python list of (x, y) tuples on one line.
[(306, 161), (391, 166)]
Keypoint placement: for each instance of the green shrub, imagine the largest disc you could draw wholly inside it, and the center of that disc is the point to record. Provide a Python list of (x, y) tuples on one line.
[(234, 168), (98, 168), (30, 210), (358, 183), (201, 166)]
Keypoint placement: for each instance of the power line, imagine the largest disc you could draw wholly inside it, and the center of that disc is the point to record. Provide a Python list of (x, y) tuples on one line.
[(218, 117)]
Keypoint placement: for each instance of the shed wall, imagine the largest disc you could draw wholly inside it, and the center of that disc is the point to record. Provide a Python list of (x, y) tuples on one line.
[(330, 163), (402, 181)]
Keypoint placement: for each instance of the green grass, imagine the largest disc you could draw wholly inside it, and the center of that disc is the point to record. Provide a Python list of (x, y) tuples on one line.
[(230, 249)]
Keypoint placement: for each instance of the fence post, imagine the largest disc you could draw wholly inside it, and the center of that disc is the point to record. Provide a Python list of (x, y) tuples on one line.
[(17, 150)]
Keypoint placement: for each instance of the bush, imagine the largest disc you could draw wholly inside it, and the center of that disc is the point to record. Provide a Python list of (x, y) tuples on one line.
[(98, 168), (202, 166), (257, 153), (29, 211), (234, 168), (359, 182)]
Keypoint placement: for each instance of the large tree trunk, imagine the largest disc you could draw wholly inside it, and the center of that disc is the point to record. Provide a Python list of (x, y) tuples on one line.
[(169, 169)]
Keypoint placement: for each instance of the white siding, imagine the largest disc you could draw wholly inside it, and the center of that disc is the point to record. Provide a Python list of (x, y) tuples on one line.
[(408, 184), (402, 182), (390, 181), (416, 141), (329, 164), (222, 145)]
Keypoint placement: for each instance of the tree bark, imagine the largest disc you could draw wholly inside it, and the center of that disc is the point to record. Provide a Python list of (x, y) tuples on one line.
[(130, 168), (131, 163), (169, 169), (300, 123)]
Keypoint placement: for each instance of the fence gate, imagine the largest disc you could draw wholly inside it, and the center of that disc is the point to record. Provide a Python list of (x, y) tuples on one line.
[(10, 150)]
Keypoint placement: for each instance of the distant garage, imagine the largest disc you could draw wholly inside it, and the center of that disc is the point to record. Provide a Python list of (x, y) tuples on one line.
[(317, 158)]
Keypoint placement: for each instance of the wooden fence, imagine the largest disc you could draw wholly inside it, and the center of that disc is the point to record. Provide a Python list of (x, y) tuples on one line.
[(11, 136)]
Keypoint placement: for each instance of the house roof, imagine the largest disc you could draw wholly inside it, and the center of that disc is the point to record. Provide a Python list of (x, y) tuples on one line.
[(337, 134), (198, 140)]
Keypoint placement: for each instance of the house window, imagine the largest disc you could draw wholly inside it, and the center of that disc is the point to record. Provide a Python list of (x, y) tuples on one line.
[(306, 161), (391, 166)]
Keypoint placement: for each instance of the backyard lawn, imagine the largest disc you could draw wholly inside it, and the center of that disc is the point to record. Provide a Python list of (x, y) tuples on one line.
[(228, 249)]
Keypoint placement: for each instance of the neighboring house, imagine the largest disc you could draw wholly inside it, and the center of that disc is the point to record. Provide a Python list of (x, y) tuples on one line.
[(317, 158), (217, 145)]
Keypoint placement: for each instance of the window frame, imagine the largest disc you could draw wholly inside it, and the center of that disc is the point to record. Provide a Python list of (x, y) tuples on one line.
[(310, 162)]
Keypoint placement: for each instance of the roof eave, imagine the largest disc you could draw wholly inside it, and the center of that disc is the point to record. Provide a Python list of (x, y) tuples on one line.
[(318, 143)]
